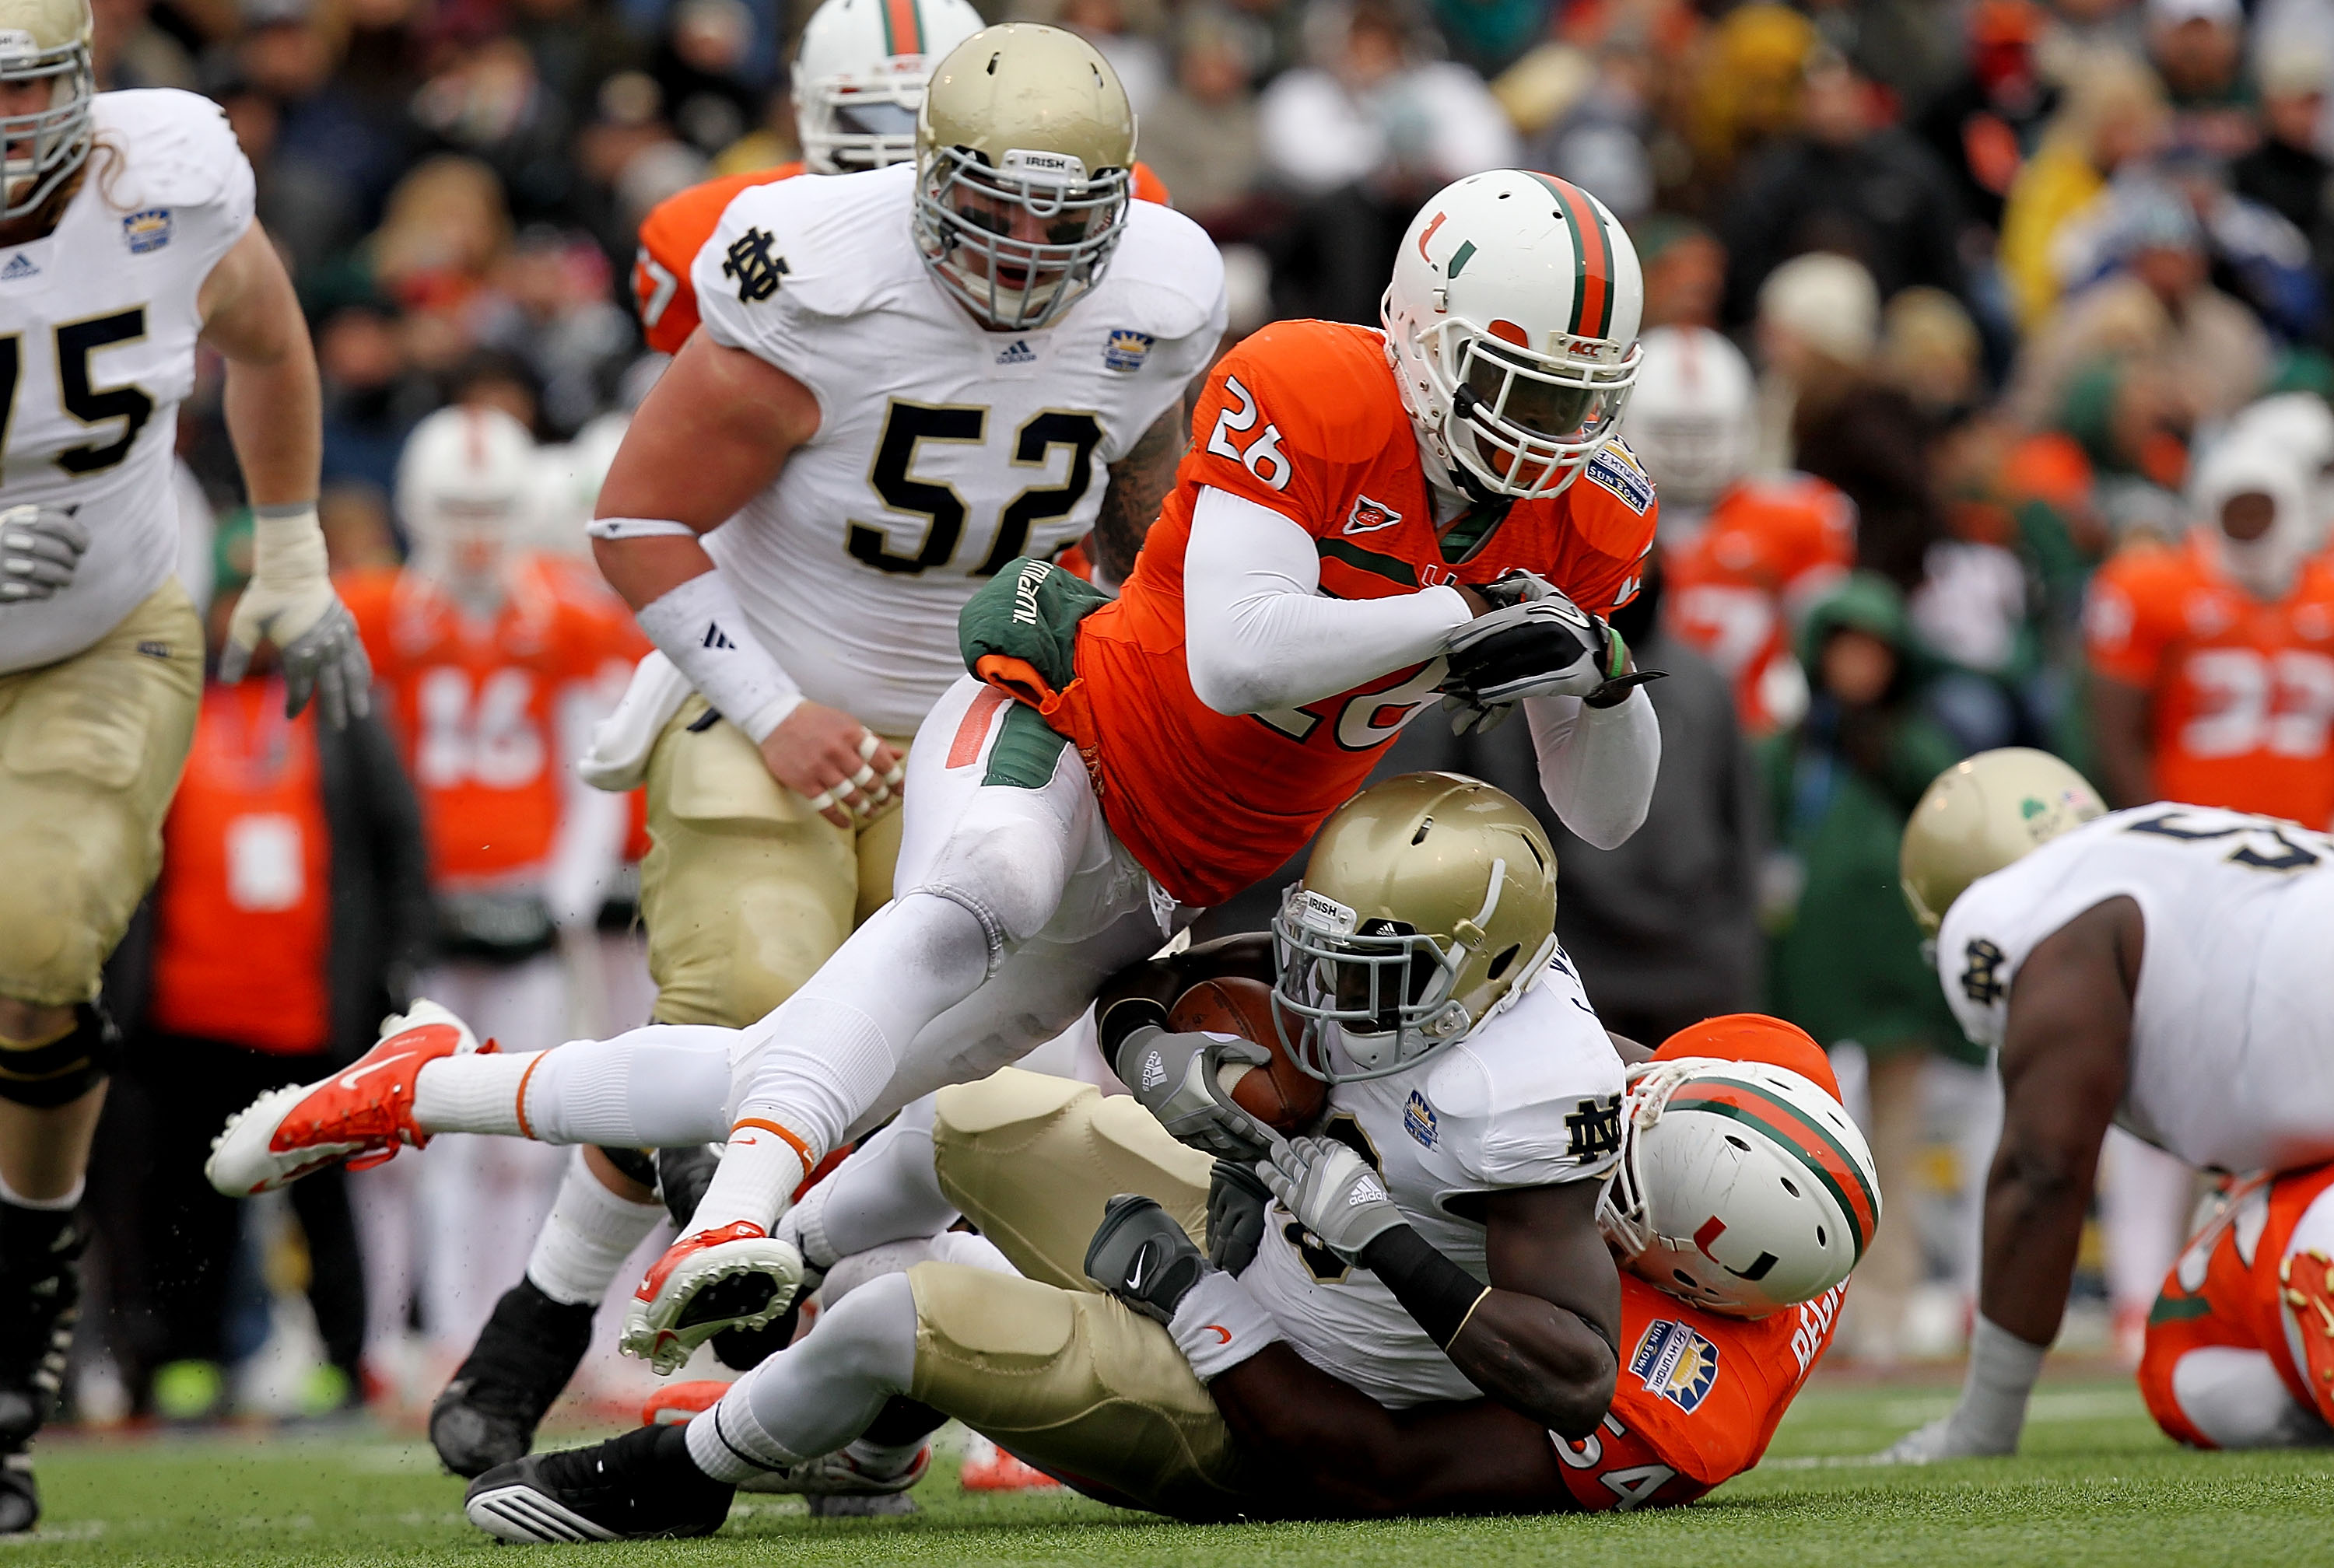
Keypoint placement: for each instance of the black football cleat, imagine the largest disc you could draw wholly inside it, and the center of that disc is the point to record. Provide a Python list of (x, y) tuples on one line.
[(530, 1347), (39, 1299), (641, 1487)]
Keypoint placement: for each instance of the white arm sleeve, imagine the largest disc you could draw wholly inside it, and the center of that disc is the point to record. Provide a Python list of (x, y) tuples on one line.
[(1598, 765), (1257, 636)]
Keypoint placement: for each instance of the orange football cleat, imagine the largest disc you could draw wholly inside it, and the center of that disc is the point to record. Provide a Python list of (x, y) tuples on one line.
[(358, 1117), (989, 1469), (737, 1277), (2308, 1278), (678, 1402)]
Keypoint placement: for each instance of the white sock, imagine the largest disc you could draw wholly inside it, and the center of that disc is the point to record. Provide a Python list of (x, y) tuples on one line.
[(818, 1394), (887, 1191), (882, 1461), (473, 1093), (589, 1235), (15, 1199), (754, 1181), (657, 1087)]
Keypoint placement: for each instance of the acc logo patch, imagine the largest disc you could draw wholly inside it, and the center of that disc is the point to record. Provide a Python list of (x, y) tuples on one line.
[(147, 231), (1368, 516), (1676, 1362), (1616, 469), (1126, 350), (1418, 1120)]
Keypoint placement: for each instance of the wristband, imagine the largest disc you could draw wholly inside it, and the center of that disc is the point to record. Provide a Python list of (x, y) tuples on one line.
[(638, 528), (1217, 1325), (701, 628), (1438, 1293), (1121, 1022), (287, 545)]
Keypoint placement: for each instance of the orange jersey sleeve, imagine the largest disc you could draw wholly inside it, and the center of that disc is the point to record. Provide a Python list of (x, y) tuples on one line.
[(2133, 612), (674, 231), (1148, 187)]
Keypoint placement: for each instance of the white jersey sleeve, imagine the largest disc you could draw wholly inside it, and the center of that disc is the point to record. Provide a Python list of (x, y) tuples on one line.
[(101, 318), (772, 268)]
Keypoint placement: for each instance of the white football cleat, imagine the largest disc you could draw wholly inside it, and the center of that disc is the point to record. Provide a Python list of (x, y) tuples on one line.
[(358, 1117), (737, 1277)]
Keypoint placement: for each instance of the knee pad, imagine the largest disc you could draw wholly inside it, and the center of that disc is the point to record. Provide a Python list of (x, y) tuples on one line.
[(45, 1077)]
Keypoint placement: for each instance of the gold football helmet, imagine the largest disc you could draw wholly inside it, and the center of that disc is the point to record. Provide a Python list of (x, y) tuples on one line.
[(1980, 814), (1025, 154), (1428, 900), (45, 40)]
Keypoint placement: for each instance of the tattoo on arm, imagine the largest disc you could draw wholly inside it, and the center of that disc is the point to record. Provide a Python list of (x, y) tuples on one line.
[(1139, 482)]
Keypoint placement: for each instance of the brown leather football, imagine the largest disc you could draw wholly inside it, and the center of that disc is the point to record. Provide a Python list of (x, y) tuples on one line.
[(1283, 1096)]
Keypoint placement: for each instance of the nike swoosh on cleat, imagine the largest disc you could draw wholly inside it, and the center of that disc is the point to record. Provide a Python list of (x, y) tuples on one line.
[(349, 1079)]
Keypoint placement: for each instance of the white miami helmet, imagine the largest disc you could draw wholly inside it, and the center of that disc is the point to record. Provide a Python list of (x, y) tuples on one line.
[(45, 40), (1743, 1189), (1691, 418), (2262, 469), (469, 487), (1511, 323), (858, 78)]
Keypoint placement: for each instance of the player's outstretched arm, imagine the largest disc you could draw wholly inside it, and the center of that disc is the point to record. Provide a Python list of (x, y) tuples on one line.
[(2065, 1059), (1341, 1454), (275, 416), (712, 435)]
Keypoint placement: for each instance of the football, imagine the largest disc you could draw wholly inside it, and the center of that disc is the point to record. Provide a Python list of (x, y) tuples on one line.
[(1283, 1096)]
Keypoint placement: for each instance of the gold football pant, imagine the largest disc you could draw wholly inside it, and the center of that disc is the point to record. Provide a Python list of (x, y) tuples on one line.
[(1047, 1365), (746, 890), (91, 750)]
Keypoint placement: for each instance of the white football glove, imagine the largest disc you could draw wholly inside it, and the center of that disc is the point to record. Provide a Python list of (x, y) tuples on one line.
[(1171, 1076), (290, 601), (40, 546), (1332, 1193)]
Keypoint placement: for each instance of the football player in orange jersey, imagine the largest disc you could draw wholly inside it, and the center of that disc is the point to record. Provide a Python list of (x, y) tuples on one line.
[(488, 661), (2212, 659), (1732, 1127), (2239, 1349), (1743, 557), (1362, 524)]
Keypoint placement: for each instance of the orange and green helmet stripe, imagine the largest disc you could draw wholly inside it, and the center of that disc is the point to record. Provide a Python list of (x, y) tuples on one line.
[(1821, 1152), (1592, 250), (904, 27)]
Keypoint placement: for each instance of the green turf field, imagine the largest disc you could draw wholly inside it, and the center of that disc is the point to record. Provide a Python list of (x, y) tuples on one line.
[(2095, 1486)]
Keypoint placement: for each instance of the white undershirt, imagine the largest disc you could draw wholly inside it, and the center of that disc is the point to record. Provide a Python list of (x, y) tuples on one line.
[(1258, 636)]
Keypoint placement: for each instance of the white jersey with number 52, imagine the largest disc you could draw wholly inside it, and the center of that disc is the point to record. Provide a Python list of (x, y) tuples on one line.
[(97, 349), (942, 450), (2232, 1028)]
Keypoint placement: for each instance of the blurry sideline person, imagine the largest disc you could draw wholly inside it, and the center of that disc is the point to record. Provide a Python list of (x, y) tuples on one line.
[(2212, 659), (2161, 968), (293, 911), (491, 662), (1743, 555), (1845, 961), (126, 222), (872, 506)]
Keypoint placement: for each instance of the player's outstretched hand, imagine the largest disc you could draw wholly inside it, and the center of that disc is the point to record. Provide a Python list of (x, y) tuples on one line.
[(290, 602), (1946, 1438), (40, 547), (1332, 1193), (1177, 1078), (847, 771)]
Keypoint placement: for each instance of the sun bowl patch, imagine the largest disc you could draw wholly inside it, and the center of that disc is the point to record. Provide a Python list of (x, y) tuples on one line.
[(147, 231), (1676, 1362), (1126, 350), (1418, 1120), (1615, 470)]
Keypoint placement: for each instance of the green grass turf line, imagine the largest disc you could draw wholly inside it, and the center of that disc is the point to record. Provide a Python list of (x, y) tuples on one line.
[(2095, 1486)]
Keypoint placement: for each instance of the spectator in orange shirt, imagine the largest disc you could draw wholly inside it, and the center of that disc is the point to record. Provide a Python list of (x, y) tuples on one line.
[(291, 915)]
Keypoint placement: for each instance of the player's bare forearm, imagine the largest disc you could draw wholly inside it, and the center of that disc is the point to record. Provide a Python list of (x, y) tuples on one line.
[(2065, 1059), (1138, 483), (2120, 721), (1539, 1359), (273, 401), (643, 571), (1333, 1452), (1142, 993)]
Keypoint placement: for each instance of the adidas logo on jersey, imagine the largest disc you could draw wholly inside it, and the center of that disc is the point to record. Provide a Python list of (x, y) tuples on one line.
[(715, 637), (20, 267), (1016, 353)]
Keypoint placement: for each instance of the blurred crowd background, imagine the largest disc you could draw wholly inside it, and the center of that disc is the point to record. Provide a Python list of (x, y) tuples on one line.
[(1979, 312)]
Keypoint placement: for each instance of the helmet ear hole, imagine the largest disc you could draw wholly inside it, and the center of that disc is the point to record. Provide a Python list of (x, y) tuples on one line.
[(1738, 1143), (1789, 1188), (1682, 1278), (1500, 964), (1821, 1239)]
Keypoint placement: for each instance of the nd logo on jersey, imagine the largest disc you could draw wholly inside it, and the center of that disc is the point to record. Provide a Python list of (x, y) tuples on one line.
[(1676, 1362)]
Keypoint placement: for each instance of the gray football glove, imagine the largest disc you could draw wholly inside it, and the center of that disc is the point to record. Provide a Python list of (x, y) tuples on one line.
[(1142, 1257), (40, 547), (1332, 1193), (1236, 1205), (1174, 1077)]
